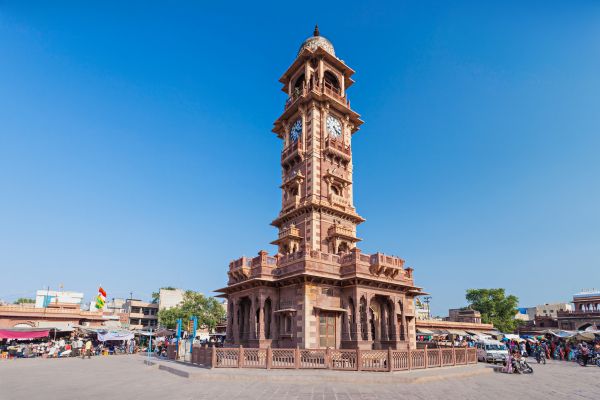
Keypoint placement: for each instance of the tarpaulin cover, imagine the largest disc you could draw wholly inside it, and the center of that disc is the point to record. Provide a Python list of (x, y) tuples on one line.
[(115, 335), (23, 333)]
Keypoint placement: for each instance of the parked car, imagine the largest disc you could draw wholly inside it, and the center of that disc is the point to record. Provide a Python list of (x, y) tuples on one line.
[(491, 351)]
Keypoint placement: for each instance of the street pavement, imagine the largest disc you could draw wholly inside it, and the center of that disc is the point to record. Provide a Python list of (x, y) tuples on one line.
[(131, 377)]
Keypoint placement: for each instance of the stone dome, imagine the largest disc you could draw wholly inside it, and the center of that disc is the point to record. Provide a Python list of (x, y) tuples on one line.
[(317, 41)]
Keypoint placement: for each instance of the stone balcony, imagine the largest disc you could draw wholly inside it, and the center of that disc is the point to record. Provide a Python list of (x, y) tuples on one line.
[(292, 151), (291, 231), (377, 266), (244, 268), (341, 231), (338, 174), (318, 89), (337, 149), (291, 202), (337, 200), (389, 266)]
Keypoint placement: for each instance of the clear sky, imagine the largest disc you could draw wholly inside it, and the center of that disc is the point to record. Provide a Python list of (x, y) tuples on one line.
[(136, 152)]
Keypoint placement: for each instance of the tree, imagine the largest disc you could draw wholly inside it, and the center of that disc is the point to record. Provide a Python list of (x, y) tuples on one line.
[(156, 295), (23, 300), (495, 307), (209, 311)]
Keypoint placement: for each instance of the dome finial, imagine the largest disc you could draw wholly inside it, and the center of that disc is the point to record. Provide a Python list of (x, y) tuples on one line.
[(316, 32)]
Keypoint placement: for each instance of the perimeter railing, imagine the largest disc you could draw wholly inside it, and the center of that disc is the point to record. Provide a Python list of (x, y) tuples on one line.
[(334, 359)]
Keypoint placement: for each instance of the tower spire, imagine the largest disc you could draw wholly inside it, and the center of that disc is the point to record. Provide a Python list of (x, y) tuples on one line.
[(316, 32)]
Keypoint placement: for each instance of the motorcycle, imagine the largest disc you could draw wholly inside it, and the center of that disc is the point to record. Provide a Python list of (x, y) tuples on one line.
[(520, 366), (583, 360), (594, 359), (540, 356)]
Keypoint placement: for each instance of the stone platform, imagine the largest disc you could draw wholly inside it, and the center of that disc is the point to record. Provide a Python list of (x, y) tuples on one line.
[(129, 377)]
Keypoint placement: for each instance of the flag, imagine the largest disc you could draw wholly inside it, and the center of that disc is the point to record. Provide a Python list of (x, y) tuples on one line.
[(48, 299), (101, 298)]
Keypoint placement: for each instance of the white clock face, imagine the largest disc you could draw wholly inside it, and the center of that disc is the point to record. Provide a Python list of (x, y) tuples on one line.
[(334, 127), (296, 130)]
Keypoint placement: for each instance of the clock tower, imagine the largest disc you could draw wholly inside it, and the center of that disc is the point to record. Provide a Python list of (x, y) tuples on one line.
[(316, 128), (319, 290)]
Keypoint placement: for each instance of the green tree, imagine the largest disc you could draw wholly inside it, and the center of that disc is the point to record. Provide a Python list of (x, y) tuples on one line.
[(24, 300), (209, 311), (495, 307)]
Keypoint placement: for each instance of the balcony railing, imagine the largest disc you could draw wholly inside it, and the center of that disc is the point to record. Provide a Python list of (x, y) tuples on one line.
[(338, 200), (291, 201), (338, 148), (291, 231), (291, 150), (320, 88), (337, 230)]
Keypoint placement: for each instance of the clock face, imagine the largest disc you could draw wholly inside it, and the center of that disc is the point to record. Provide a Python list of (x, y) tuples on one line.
[(334, 127), (296, 130)]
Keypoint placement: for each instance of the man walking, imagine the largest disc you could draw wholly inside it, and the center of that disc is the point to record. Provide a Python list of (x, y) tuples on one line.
[(88, 350)]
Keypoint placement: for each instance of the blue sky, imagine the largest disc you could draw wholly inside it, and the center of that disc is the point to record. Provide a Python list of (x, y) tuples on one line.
[(136, 152)]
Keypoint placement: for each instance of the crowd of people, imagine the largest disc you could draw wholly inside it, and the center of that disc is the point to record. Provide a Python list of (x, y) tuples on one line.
[(77, 346), (555, 348)]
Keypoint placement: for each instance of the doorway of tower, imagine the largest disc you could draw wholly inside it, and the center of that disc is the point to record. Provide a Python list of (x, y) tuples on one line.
[(326, 330)]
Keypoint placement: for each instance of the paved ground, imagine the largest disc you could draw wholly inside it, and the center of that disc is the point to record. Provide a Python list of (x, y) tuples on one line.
[(129, 377)]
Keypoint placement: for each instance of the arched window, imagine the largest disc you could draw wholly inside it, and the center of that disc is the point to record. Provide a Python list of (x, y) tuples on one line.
[(331, 82), (298, 85)]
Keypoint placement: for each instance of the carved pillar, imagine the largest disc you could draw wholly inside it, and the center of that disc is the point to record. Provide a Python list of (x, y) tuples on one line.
[(395, 323), (261, 319), (357, 316), (368, 319), (233, 333), (230, 319), (252, 318), (404, 331), (346, 321), (384, 320), (244, 327)]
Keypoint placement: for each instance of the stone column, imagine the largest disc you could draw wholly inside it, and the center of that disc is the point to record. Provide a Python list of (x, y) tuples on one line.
[(230, 319), (384, 320), (346, 320), (395, 324), (404, 328), (252, 319), (274, 320), (235, 324), (261, 319), (368, 319), (357, 317)]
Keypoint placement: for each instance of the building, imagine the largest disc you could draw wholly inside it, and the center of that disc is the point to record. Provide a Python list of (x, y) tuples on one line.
[(422, 309), (464, 315), (319, 290), (585, 312), (551, 310), (28, 316), (115, 306), (58, 299), (526, 314), (140, 314), (53, 309), (169, 298)]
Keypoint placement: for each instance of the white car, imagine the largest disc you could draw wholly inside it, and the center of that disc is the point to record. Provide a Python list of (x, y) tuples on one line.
[(491, 351)]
